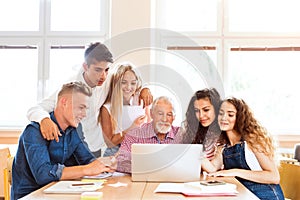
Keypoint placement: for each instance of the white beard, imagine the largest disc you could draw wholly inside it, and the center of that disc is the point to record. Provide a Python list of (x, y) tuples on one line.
[(160, 127)]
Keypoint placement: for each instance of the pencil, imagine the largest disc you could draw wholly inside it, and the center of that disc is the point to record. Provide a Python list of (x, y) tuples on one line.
[(82, 184)]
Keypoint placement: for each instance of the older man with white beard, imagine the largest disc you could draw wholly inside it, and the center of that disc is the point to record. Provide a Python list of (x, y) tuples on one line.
[(159, 131)]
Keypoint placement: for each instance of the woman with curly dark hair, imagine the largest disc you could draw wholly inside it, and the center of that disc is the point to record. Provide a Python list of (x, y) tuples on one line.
[(200, 125), (248, 151)]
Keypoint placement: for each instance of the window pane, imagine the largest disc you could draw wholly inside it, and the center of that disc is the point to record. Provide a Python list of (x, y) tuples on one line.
[(192, 15), (264, 16), (19, 15), (268, 81), (79, 15), (189, 73), (64, 63), (18, 85), (184, 78)]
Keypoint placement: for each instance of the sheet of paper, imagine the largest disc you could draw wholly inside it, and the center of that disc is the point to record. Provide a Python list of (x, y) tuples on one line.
[(129, 114), (118, 184)]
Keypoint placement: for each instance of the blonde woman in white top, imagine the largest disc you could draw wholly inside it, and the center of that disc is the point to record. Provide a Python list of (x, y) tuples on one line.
[(120, 112)]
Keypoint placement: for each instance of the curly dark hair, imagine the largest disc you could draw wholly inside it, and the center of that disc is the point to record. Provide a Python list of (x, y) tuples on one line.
[(194, 132), (250, 129)]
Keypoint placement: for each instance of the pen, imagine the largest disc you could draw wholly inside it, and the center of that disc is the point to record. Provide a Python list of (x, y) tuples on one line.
[(82, 184)]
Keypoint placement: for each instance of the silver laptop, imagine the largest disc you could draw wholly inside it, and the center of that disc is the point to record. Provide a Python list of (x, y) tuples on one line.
[(166, 162)]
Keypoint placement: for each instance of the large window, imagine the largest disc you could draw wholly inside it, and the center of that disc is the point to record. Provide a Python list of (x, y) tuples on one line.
[(268, 80), (18, 82), (41, 45), (254, 46)]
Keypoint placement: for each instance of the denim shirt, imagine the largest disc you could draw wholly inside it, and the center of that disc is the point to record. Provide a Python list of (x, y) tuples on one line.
[(39, 162)]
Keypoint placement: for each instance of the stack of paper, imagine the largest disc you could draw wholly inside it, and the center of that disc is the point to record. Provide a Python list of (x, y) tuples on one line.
[(196, 189)]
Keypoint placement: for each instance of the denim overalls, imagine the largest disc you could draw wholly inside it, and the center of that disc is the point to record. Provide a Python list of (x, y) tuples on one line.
[(234, 157)]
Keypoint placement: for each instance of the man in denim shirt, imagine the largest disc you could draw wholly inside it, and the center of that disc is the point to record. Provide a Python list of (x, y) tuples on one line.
[(39, 162)]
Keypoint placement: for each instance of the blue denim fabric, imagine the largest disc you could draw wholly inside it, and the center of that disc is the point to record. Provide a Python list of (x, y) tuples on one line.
[(234, 157), (111, 151), (39, 162)]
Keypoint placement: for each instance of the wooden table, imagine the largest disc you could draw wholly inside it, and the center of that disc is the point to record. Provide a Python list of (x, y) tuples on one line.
[(137, 190)]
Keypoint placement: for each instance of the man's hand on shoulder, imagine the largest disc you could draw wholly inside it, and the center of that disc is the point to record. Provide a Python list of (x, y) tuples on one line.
[(49, 129), (146, 97)]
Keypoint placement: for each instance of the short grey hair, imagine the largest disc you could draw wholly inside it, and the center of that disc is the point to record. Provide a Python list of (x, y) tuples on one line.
[(166, 100)]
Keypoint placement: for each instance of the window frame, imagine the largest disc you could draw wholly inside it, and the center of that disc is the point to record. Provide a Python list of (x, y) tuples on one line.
[(44, 38)]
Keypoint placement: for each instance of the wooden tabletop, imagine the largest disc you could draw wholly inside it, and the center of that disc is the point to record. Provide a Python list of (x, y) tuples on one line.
[(137, 190)]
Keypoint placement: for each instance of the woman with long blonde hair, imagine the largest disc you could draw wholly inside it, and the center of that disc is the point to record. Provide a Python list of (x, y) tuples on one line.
[(121, 112)]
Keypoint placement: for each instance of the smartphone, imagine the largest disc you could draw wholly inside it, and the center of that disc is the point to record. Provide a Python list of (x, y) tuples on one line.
[(211, 183)]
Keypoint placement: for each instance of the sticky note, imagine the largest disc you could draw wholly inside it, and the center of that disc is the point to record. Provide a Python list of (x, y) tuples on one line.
[(91, 196), (93, 180)]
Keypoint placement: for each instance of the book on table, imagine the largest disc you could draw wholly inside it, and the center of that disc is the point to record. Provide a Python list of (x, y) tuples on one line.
[(197, 189)]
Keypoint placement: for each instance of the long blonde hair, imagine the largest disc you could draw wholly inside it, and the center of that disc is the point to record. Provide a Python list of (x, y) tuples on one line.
[(115, 94)]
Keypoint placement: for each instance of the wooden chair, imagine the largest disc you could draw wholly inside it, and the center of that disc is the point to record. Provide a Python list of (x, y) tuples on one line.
[(6, 168), (290, 180), (4, 153)]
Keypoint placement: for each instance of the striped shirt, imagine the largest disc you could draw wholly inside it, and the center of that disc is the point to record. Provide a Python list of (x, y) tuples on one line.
[(143, 135)]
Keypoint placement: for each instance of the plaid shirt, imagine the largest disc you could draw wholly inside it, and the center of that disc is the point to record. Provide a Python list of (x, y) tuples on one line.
[(143, 135), (210, 144)]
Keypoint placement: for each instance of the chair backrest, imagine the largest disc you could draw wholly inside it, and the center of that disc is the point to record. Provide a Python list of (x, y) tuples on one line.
[(290, 180), (297, 151), (4, 154), (8, 177), (9, 162)]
